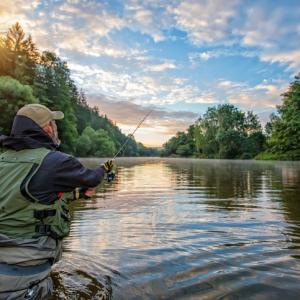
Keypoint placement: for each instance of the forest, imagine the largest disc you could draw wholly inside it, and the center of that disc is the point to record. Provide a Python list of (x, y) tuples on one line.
[(223, 132), (226, 132), (29, 76)]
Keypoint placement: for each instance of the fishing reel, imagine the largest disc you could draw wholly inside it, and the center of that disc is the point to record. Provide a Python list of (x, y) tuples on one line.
[(110, 176)]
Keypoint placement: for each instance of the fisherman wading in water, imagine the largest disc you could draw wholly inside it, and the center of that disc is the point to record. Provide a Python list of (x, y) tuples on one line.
[(36, 184)]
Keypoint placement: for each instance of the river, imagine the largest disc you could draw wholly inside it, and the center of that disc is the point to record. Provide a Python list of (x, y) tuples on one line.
[(186, 229)]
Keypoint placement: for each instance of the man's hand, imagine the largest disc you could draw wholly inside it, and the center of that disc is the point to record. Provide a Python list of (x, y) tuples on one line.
[(90, 192), (83, 192), (108, 166)]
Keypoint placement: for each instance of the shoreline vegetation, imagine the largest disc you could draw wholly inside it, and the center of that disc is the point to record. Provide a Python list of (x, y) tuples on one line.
[(223, 132), (226, 132)]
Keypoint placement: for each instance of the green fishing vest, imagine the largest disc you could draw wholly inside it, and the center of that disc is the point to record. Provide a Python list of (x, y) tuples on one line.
[(21, 214)]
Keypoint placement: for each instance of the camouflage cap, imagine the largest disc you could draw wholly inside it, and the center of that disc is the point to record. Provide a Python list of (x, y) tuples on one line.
[(40, 114)]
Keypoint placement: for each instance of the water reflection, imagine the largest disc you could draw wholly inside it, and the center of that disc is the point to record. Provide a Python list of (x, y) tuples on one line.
[(186, 229)]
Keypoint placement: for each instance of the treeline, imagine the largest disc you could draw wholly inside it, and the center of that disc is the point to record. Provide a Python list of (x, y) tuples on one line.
[(226, 132), (28, 76)]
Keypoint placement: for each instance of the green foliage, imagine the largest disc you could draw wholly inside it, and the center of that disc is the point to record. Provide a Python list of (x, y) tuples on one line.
[(26, 75), (19, 55), (183, 144), (227, 132), (222, 132), (13, 95), (147, 151), (96, 143), (54, 87), (284, 128), (290, 155)]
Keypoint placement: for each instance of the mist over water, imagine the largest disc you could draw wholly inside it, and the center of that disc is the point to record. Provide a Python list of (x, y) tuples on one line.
[(186, 229)]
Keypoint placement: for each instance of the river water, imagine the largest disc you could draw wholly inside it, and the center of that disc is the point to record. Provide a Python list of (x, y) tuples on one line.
[(186, 229)]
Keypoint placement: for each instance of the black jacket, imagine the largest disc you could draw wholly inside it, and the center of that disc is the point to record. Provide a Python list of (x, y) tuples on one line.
[(59, 172)]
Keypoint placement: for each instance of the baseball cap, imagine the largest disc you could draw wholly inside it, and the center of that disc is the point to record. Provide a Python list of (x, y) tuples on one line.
[(40, 114)]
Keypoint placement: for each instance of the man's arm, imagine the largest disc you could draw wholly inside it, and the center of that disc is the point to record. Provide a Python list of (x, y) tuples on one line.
[(70, 173), (60, 172)]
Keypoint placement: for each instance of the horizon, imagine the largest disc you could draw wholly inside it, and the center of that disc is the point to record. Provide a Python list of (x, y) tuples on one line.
[(176, 57)]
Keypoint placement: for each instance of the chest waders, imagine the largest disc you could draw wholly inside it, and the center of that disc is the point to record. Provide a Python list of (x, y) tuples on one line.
[(21, 214)]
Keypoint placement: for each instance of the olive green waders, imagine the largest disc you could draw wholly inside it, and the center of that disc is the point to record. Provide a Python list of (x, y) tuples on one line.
[(30, 232)]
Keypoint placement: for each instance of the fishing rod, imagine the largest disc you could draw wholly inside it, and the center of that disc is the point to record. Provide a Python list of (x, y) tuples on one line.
[(131, 134), (111, 174)]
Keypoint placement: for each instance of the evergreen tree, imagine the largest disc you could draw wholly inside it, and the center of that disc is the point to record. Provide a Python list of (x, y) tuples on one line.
[(53, 87), (26, 76), (21, 55)]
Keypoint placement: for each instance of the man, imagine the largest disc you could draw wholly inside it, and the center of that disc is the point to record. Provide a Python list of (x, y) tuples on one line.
[(36, 183)]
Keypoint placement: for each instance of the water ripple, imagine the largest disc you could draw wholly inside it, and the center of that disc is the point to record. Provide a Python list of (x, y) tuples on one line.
[(186, 229)]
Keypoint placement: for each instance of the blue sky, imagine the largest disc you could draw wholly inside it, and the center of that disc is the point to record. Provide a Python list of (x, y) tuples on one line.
[(177, 57)]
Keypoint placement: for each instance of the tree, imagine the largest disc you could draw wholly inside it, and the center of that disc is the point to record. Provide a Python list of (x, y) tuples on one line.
[(54, 87), (20, 55), (222, 132), (13, 95), (26, 75), (95, 143), (285, 127), (183, 144)]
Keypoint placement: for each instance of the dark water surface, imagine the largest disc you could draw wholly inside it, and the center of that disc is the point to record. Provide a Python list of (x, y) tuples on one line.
[(186, 229)]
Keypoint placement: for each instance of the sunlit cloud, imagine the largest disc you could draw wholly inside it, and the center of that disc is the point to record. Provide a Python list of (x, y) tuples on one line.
[(205, 21), (161, 67), (273, 30), (190, 54), (230, 84), (265, 95), (224, 52), (140, 89), (93, 16), (148, 17), (290, 58), (13, 11), (157, 128)]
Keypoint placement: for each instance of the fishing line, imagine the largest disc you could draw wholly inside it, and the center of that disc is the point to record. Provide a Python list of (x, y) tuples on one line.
[(131, 134), (111, 175)]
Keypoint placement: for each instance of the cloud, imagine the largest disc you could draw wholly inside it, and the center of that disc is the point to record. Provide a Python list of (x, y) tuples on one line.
[(92, 15), (205, 21), (141, 89), (264, 116), (195, 57), (72, 26), (269, 32), (108, 56), (205, 55), (230, 84), (161, 67), (85, 28), (265, 95), (23, 12), (150, 17), (16, 11), (160, 124), (264, 27), (291, 58), (274, 31), (85, 45)]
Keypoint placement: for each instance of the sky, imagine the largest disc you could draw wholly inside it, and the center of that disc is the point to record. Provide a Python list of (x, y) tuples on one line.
[(176, 58)]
